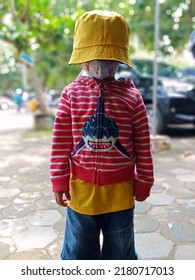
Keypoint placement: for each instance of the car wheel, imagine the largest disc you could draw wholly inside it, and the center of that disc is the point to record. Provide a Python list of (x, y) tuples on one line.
[(4, 106), (160, 123)]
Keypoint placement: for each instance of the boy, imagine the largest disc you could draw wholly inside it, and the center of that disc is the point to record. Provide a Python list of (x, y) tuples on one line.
[(101, 156)]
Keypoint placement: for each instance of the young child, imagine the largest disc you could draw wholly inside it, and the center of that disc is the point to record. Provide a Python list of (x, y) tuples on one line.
[(101, 154)]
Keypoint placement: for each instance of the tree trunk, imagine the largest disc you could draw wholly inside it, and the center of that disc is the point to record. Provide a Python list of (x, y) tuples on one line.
[(39, 93), (43, 117)]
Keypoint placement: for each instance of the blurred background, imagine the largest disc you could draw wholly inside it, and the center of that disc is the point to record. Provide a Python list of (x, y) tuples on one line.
[(36, 41)]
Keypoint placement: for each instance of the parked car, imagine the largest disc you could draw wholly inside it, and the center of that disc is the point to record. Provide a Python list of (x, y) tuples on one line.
[(190, 73), (175, 93), (54, 99), (6, 102)]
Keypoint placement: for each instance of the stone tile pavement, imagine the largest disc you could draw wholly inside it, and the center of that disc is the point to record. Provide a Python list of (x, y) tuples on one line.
[(32, 224)]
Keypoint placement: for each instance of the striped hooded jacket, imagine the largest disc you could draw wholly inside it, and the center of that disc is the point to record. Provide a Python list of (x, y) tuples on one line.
[(101, 135)]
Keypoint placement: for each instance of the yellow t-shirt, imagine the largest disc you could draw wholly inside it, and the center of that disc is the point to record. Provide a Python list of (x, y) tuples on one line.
[(93, 200)]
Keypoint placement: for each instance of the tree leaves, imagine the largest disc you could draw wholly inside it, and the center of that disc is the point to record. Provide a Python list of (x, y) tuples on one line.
[(44, 29)]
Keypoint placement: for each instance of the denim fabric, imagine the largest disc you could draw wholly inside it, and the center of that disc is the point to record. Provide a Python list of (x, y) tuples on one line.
[(82, 236)]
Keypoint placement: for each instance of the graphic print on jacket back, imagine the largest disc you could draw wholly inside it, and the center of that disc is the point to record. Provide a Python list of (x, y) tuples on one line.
[(100, 133)]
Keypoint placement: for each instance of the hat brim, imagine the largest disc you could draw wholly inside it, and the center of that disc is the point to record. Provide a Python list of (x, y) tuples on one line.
[(80, 55)]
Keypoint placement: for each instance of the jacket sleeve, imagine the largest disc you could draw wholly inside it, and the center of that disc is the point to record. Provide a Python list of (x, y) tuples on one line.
[(144, 177), (61, 146)]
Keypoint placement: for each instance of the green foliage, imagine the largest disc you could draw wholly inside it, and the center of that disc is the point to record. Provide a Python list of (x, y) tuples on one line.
[(44, 29), (10, 71)]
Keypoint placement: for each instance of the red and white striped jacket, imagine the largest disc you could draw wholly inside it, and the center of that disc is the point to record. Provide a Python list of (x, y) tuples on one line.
[(101, 135)]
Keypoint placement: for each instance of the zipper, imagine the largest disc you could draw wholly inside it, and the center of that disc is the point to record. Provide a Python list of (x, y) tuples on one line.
[(100, 116)]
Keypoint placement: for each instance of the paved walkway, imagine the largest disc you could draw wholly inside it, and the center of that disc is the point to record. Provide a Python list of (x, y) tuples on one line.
[(32, 225)]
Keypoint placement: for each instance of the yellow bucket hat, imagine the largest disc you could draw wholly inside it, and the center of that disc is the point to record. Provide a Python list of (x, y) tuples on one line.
[(101, 35)]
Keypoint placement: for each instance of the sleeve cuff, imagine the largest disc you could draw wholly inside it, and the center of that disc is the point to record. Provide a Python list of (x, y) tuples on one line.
[(60, 185), (141, 188)]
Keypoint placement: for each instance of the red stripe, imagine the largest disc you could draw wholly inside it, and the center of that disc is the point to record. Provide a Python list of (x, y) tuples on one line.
[(123, 103)]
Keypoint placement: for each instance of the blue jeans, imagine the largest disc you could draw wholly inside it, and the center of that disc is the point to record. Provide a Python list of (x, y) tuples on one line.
[(82, 236)]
